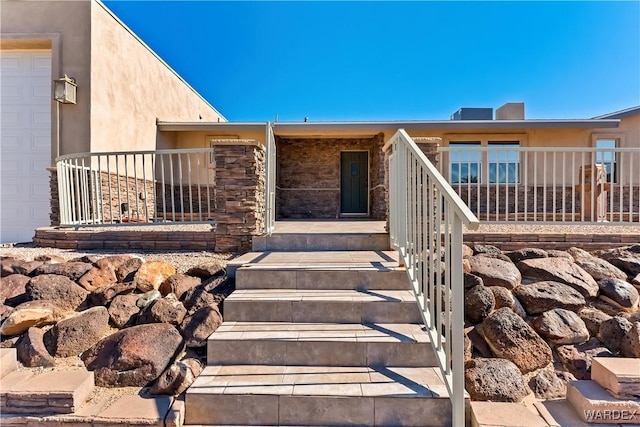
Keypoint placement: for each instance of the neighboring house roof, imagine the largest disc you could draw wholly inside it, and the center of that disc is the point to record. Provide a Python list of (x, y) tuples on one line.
[(627, 112)]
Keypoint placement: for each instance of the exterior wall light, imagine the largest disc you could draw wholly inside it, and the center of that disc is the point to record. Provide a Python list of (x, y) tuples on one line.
[(64, 90)]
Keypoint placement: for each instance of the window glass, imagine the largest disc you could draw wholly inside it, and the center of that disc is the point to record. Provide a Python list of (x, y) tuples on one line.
[(606, 155), (504, 162), (465, 161)]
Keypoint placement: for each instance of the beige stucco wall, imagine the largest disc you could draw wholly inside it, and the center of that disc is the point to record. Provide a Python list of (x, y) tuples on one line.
[(64, 27), (132, 88)]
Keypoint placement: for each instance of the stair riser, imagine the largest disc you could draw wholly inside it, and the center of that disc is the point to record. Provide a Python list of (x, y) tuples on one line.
[(321, 242), (247, 278), (301, 410), (322, 311), (320, 353)]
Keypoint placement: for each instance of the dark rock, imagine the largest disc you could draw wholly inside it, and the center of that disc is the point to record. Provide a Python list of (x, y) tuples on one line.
[(598, 268), (102, 296), (526, 253), (204, 295), (471, 281), (479, 347), (505, 298), (73, 335), (554, 253), (204, 271), (630, 344), (163, 310), (612, 332), (9, 266), (147, 298), (98, 277), (592, 318), (513, 339), (134, 356), (60, 290), (478, 303), (123, 310), (50, 259), (72, 270), (5, 311), (495, 272), (31, 313), (625, 258), (577, 358), (13, 289), (178, 284), (620, 293), (89, 259), (561, 326), (485, 249), (559, 270), (468, 348), (497, 380), (550, 384), (126, 271), (636, 281), (114, 262), (31, 350), (197, 327), (151, 274), (177, 378), (542, 296)]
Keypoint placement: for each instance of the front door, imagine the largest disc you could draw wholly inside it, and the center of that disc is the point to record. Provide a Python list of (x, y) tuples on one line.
[(354, 182)]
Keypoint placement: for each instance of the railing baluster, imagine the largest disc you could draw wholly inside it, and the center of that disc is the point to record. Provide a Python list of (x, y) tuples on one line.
[(189, 181), (135, 186)]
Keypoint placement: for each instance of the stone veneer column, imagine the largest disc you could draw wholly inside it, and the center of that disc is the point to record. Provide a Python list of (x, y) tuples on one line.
[(54, 201), (240, 193)]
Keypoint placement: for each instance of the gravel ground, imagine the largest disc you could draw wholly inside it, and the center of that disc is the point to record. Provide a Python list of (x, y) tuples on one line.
[(556, 229)]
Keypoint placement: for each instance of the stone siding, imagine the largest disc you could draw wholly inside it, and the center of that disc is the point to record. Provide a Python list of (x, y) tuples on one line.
[(308, 176), (54, 200)]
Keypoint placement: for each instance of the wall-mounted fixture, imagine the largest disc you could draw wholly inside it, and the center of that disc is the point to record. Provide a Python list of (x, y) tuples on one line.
[(64, 90)]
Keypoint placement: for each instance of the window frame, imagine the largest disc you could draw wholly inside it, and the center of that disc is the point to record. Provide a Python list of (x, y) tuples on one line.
[(618, 140)]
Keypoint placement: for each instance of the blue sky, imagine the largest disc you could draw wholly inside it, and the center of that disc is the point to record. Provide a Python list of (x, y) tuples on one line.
[(396, 60)]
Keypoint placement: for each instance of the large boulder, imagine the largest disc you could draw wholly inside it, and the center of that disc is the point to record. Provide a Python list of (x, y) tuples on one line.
[(613, 331), (550, 384), (9, 266), (560, 270), (97, 278), (123, 310), (163, 310), (13, 289), (495, 272), (206, 270), (511, 338), (630, 344), (197, 327), (134, 356), (60, 290), (126, 271), (73, 270), (539, 297), (209, 293), (593, 318), (598, 268), (626, 258), (526, 253), (178, 284), (497, 380), (577, 358), (31, 350), (73, 335), (561, 326), (619, 293), (505, 298), (480, 248), (478, 303), (103, 296), (177, 378), (31, 313), (152, 274)]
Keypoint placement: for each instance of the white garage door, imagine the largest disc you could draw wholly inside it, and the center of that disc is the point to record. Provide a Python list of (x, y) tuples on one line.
[(25, 96)]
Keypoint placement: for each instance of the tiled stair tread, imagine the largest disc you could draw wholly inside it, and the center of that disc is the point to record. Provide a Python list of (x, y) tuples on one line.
[(326, 381), (587, 395), (625, 369), (372, 259), (49, 382), (285, 331), (257, 295), (505, 414)]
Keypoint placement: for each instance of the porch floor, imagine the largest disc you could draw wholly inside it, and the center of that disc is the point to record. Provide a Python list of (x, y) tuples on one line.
[(320, 226)]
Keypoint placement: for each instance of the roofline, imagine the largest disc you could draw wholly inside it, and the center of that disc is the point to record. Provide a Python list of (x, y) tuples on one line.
[(134, 35), (627, 112), (393, 125)]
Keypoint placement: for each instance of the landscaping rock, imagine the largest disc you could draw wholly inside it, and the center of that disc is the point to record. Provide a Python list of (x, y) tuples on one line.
[(73, 335), (126, 271), (31, 313), (177, 378), (5, 311), (505, 298), (98, 277), (60, 290), (626, 258), (550, 384), (134, 356), (123, 310), (13, 289), (197, 327), (50, 259), (163, 310), (204, 295), (612, 332), (577, 358), (495, 272), (630, 344), (466, 251), (542, 296), (619, 293), (114, 262), (497, 380), (147, 298), (103, 296), (478, 303), (151, 274), (9, 266), (31, 350), (559, 270), (561, 326), (479, 346), (485, 249), (513, 339), (178, 284), (593, 318), (204, 271), (527, 253), (72, 270), (598, 268), (471, 281), (554, 253)]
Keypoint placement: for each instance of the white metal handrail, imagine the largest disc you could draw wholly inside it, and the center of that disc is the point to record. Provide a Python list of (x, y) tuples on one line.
[(136, 187), (507, 184), (270, 172), (426, 219)]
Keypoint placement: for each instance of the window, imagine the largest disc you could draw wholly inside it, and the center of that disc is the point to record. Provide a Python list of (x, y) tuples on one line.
[(504, 162), (606, 155), (465, 161), (485, 161)]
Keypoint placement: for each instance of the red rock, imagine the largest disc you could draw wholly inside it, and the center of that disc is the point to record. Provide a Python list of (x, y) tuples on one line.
[(152, 274)]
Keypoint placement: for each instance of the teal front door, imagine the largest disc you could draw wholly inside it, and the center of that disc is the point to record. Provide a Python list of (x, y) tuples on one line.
[(354, 182)]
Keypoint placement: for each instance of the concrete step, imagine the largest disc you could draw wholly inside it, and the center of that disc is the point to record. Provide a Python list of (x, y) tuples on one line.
[(312, 306), (303, 241), (620, 376), (504, 414), (595, 405), (8, 361), (318, 395), (35, 392), (325, 344)]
